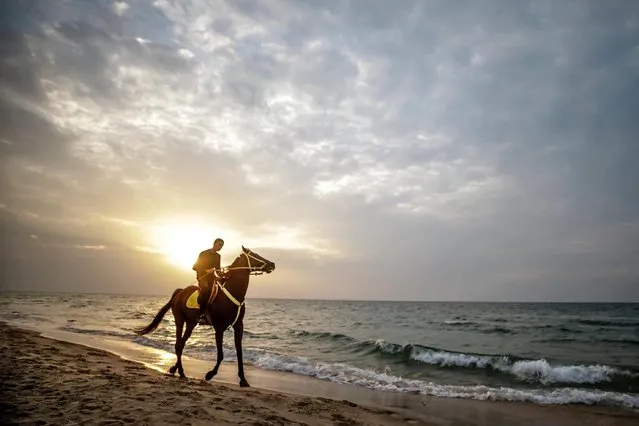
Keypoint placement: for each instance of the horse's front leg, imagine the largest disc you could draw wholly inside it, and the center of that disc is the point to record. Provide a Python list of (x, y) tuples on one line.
[(238, 330), (219, 340)]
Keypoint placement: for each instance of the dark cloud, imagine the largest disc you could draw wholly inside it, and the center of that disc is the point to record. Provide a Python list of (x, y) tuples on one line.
[(17, 68)]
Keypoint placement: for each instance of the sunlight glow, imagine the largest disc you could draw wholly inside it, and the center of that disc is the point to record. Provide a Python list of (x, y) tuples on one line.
[(180, 241)]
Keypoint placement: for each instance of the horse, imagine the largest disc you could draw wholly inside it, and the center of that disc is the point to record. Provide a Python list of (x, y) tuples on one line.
[(224, 308)]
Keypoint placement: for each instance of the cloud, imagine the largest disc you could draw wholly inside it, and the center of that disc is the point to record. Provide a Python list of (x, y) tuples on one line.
[(454, 150), (120, 7)]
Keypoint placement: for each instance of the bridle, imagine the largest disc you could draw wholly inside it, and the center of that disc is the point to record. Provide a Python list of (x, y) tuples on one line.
[(253, 270)]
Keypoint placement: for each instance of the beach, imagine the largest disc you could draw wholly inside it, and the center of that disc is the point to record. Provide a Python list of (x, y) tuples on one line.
[(48, 381), (53, 382)]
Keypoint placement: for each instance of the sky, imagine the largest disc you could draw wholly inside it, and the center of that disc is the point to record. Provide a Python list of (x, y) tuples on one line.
[(374, 150)]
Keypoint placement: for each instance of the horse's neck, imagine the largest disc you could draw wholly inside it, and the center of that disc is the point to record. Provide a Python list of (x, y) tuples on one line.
[(237, 284)]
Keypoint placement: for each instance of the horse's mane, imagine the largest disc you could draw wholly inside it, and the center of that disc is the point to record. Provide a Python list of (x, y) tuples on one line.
[(235, 262)]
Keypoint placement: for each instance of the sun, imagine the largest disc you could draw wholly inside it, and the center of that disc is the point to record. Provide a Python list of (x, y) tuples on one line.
[(180, 241)]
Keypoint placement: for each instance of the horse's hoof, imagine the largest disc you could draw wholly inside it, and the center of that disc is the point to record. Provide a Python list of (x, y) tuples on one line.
[(209, 375), (172, 371), (182, 376), (244, 384)]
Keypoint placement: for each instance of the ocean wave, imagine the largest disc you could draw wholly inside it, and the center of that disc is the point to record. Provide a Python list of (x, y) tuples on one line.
[(618, 341), (496, 326), (539, 371), (608, 322), (499, 330), (621, 341), (550, 328), (545, 373), (557, 340), (266, 336), (15, 317), (486, 328), (460, 322), (533, 371), (132, 315), (346, 374), (565, 329), (95, 332), (323, 335), (153, 343)]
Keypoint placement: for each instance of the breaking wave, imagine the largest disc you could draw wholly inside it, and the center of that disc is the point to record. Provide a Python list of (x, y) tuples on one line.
[(540, 371), (529, 370), (347, 374)]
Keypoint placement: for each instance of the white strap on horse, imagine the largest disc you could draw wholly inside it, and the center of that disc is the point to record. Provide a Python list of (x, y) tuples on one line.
[(252, 269), (235, 301)]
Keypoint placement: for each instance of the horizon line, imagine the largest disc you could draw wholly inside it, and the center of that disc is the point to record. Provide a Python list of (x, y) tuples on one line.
[(317, 299)]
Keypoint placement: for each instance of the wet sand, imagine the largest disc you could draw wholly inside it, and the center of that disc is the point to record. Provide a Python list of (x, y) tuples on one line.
[(48, 381)]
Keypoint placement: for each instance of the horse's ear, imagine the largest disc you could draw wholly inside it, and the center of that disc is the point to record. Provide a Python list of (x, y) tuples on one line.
[(243, 249)]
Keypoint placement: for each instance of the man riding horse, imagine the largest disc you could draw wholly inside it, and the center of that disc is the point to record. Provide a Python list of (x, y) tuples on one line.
[(225, 311), (207, 271)]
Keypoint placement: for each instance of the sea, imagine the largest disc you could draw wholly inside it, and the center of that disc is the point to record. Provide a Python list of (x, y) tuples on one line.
[(541, 353)]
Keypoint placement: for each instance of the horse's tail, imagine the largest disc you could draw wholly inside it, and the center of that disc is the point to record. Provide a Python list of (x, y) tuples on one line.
[(158, 317)]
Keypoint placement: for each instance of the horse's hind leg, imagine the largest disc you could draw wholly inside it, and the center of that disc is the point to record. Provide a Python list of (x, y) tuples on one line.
[(179, 325), (219, 342), (179, 348)]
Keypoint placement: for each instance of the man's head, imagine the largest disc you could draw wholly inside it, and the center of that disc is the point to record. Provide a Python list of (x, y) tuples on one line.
[(218, 244)]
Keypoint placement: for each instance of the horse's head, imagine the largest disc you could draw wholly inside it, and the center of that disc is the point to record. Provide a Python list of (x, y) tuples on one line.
[(256, 262)]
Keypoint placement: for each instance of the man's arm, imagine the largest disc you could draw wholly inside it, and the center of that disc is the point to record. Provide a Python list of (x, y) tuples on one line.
[(198, 265), (215, 263)]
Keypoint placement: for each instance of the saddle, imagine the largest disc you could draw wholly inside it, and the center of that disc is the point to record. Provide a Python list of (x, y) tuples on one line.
[(200, 297)]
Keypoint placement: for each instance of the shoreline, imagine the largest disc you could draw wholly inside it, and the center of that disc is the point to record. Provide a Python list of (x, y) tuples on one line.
[(342, 401)]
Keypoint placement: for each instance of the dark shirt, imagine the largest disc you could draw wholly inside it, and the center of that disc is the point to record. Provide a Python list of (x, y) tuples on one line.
[(206, 260)]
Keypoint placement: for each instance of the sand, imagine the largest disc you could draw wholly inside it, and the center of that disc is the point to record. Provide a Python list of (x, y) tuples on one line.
[(46, 381)]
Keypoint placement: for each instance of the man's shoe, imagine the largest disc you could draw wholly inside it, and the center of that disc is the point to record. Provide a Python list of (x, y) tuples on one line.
[(203, 320)]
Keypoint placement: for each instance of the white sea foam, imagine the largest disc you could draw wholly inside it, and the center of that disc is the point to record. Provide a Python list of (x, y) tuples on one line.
[(453, 359), (387, 347), (385, 381), (525, 370), (540, 370)]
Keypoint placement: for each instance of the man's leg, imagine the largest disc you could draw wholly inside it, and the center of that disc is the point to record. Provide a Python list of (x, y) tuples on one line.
[(206, 286)]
